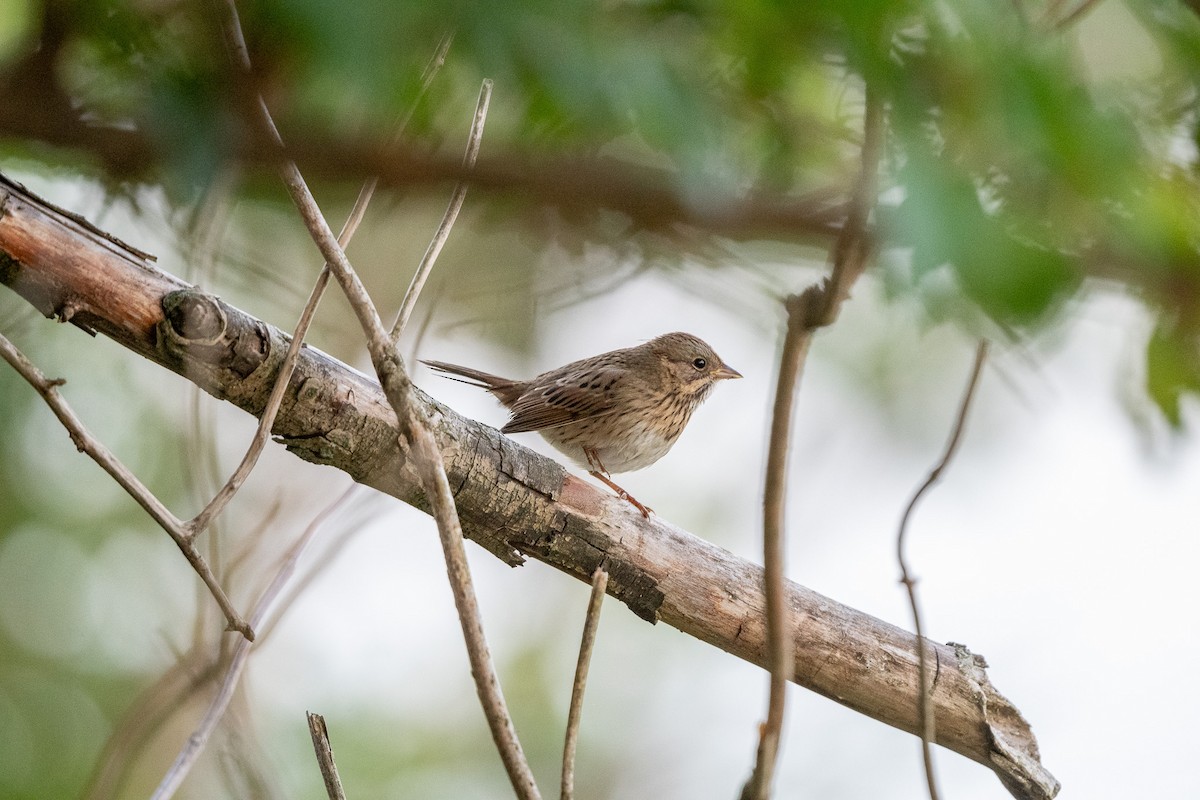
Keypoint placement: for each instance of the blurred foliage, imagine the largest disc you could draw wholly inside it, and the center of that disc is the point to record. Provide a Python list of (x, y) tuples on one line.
[(1172, 368), (1031, 156), (1030, 147)]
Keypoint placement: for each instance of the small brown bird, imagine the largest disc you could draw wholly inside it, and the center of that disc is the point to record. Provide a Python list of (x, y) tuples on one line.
[(615, 412)]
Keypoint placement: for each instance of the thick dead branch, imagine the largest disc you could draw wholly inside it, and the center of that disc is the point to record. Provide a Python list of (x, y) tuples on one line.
[(512, 501)]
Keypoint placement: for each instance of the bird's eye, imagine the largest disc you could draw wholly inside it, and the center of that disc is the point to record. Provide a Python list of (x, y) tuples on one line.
[(699, 363)]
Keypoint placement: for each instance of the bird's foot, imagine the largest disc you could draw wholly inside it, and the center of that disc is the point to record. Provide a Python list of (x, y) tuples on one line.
[(621, 493)]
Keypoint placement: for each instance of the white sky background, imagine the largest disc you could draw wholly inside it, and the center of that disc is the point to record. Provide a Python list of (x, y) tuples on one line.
[(1061, 545)]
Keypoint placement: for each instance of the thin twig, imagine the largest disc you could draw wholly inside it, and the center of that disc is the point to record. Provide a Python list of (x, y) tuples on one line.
[(95, 449), (591, 622), (925, 696), (795, 350), (853, 245), (365, 195), (321, 562), (263, 432), (324, 751), (397, 387), (816, 307), (437, 490), (145, 716), (237, 663), (448, 219), (335, 257)]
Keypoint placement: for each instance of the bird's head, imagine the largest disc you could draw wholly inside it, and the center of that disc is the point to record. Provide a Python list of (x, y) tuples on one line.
[(690, 364)]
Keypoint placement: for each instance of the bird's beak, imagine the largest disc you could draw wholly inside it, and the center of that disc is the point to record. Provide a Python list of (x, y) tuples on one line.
[(725, 372)]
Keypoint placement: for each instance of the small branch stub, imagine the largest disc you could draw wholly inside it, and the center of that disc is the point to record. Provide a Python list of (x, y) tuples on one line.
[(324, 753), (198, 326)]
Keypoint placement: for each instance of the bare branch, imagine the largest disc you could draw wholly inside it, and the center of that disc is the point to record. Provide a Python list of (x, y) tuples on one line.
[(195, 744), (437, 488), (399, 392), (324, 751), (926, 715), (448, 219), (791, 364), (86, 443), (365, 195), (153, 706), (816, 307), (591, 622), (853, 245)]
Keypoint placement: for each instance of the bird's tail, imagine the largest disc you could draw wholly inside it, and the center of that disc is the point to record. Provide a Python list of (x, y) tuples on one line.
[(506, 391)]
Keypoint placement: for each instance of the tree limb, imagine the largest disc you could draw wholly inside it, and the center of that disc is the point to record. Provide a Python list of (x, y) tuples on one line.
[(512, 501)]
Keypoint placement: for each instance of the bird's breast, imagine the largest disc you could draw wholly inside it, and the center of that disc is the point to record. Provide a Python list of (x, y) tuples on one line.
[(622, 442)]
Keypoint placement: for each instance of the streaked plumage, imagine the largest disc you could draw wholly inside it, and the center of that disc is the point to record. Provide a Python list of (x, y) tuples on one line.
[(615, 412)]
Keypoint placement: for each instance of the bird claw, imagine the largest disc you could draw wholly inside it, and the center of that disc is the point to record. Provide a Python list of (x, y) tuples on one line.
[(621, 493), (646, 510)]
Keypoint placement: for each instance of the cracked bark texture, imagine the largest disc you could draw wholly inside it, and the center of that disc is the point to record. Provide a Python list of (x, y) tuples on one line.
[(512, 501)]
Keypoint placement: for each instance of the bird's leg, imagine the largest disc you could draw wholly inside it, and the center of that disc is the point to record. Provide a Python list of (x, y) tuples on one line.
[(624, 495), (601, 474)]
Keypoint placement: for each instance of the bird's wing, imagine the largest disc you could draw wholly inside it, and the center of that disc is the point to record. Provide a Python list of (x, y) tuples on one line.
[(567, 399)]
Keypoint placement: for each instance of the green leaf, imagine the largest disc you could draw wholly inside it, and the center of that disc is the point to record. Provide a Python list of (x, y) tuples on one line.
[(1172, 368), (1013, 280)]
